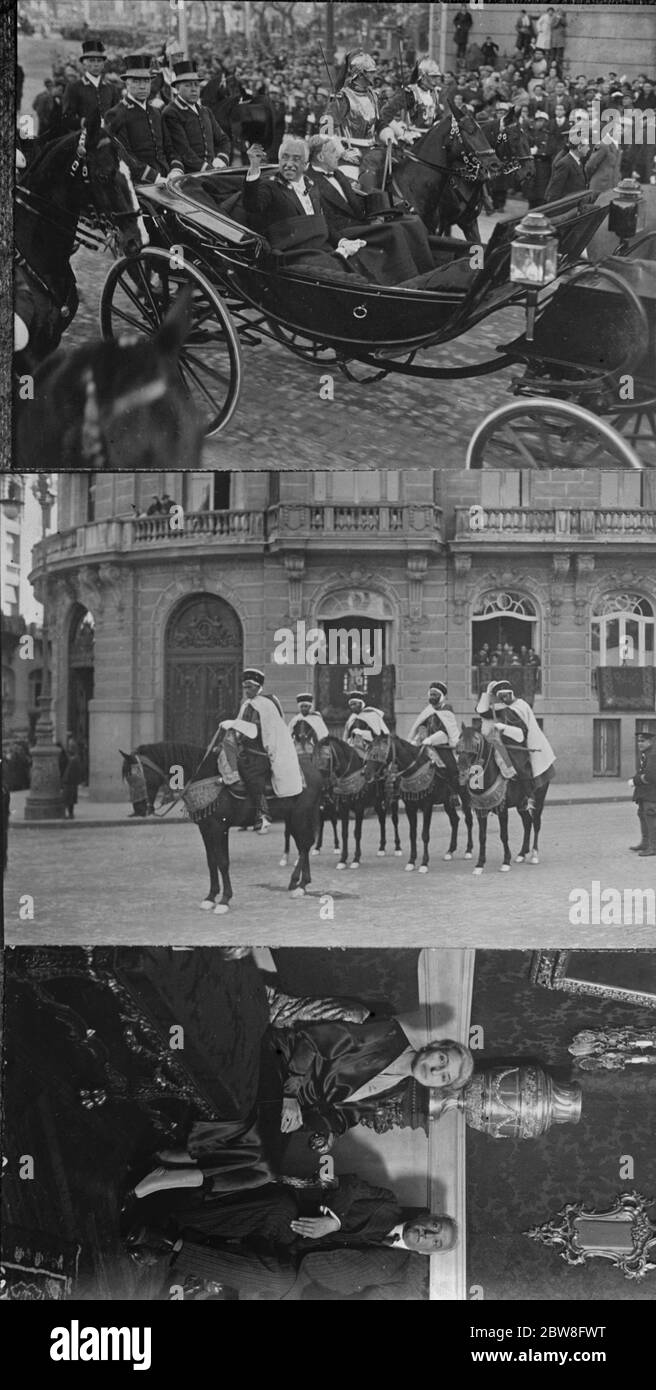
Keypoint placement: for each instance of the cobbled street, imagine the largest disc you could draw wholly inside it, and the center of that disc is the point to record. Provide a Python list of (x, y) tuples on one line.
[(144, 883)]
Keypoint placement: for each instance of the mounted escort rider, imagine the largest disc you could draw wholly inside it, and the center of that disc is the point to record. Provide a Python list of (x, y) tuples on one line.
[(355, 115), (436, 729), (417, 106), (510, 724), (261, 732), (307, 727), (364, 724)]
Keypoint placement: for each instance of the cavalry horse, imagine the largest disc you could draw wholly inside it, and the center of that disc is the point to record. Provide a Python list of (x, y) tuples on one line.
[(80, 173), (327, 812), (343, 769), (490, 791), (216, 806), (442, 176), (420, 784)]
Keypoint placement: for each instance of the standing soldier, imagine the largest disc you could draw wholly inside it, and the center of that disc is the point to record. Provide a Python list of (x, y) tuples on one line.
[(437, 727), (194, 141), (364, 722), (137, 124), (644, 793), (261, 721), (307, 727), (91, 92), (529, 751)]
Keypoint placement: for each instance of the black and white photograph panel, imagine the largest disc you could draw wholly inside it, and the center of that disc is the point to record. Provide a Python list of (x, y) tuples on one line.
[(310, 1125), (361, 704), (259, 237)]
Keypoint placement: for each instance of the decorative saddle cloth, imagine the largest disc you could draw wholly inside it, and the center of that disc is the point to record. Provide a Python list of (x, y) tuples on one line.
[(414, 786), (351, 787)]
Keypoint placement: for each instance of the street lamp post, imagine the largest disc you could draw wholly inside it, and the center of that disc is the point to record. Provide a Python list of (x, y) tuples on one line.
[(44, 799)]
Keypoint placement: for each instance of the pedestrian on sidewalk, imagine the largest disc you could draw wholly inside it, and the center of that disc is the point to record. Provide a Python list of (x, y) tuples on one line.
[(71, 778), (644, 793)]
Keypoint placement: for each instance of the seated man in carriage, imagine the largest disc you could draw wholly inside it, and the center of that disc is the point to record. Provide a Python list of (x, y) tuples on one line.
[(364, 724), (511, 721), (395, 251), (307, 727), (436, 728), (261, 723)]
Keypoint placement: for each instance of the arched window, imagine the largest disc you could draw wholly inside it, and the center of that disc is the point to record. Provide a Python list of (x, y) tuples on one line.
[(505, 639), (623, 631)]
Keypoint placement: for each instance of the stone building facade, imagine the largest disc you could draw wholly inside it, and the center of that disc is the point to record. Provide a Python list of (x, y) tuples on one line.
[(152, 622)]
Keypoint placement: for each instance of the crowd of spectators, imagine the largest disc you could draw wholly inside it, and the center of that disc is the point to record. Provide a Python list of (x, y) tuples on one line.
[(505, 654), (533, 79)]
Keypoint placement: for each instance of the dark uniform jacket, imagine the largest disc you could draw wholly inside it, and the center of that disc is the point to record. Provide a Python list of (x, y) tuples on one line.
[(82, 99), (192, 137), (366, 1213), (567, 176), (644, 783), (139, 129)]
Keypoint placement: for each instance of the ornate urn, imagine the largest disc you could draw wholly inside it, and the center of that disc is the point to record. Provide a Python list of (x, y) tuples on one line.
[(520, 1101)]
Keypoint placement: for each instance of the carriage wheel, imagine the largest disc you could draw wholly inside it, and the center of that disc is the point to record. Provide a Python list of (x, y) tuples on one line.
[(547, 434), (637, 424), (136, 297), (318, 354)]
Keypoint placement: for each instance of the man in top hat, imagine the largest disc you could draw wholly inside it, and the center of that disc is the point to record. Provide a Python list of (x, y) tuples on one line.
[(90, 93), (529, 750), (261, 723), (418, 104), (194, 141), (138, 125), (364, 722), (644, 793), (307, 726), (437, 727)]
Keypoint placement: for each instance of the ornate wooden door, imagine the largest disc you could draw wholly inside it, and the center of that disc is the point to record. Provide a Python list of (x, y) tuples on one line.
[(204, 658)]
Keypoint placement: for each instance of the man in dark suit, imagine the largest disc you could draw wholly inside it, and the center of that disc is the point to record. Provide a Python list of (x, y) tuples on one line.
[(92, 92), (138, 125), (394, 251), (194, 141), (567, 173), (356, 1213), (644, 793), (287, 210), (329, 1066)]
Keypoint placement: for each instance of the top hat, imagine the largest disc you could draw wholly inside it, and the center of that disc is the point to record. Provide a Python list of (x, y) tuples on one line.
[(93, 48), (138, 65), (186, 71)]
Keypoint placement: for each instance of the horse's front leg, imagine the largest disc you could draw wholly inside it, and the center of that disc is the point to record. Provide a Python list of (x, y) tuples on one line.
[(301, 875), (503, 832), (333, 822), (527, 821), (394, 812), (381, 812), (482, 841), (469, 822), (357, 836), (223, 856), (287, 832), (425, 835), (412, 814), (343, 858), (454, 822), (537, 826), (210, 840)]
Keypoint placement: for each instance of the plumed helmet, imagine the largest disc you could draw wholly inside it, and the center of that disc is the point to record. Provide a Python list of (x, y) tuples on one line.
[(361, 62), (427, 67)]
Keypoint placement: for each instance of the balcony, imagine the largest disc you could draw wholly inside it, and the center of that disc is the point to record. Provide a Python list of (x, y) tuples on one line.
[(198, 533), (376, 526), (531, 528)]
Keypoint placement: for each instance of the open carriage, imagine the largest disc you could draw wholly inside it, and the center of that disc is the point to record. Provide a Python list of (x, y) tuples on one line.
[(590, 353)]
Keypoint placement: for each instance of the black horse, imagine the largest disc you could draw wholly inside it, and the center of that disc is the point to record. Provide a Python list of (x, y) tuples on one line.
[(443, 176), (327, 814), (490, 791), (509, 140), (80, 173), (215, 807), (113, 405), (344, 769), (420, 784)]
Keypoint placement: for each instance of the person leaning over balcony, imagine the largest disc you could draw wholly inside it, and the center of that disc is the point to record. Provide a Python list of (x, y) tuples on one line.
[(644, 793)]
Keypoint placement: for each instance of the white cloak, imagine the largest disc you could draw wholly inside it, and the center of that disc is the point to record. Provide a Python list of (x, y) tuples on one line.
[(539, 747), (448, 719), (315, 721), (285, 770), (373, 718)]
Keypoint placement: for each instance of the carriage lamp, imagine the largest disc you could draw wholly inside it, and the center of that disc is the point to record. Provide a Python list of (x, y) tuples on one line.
[(628, 210), (533, 260)]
